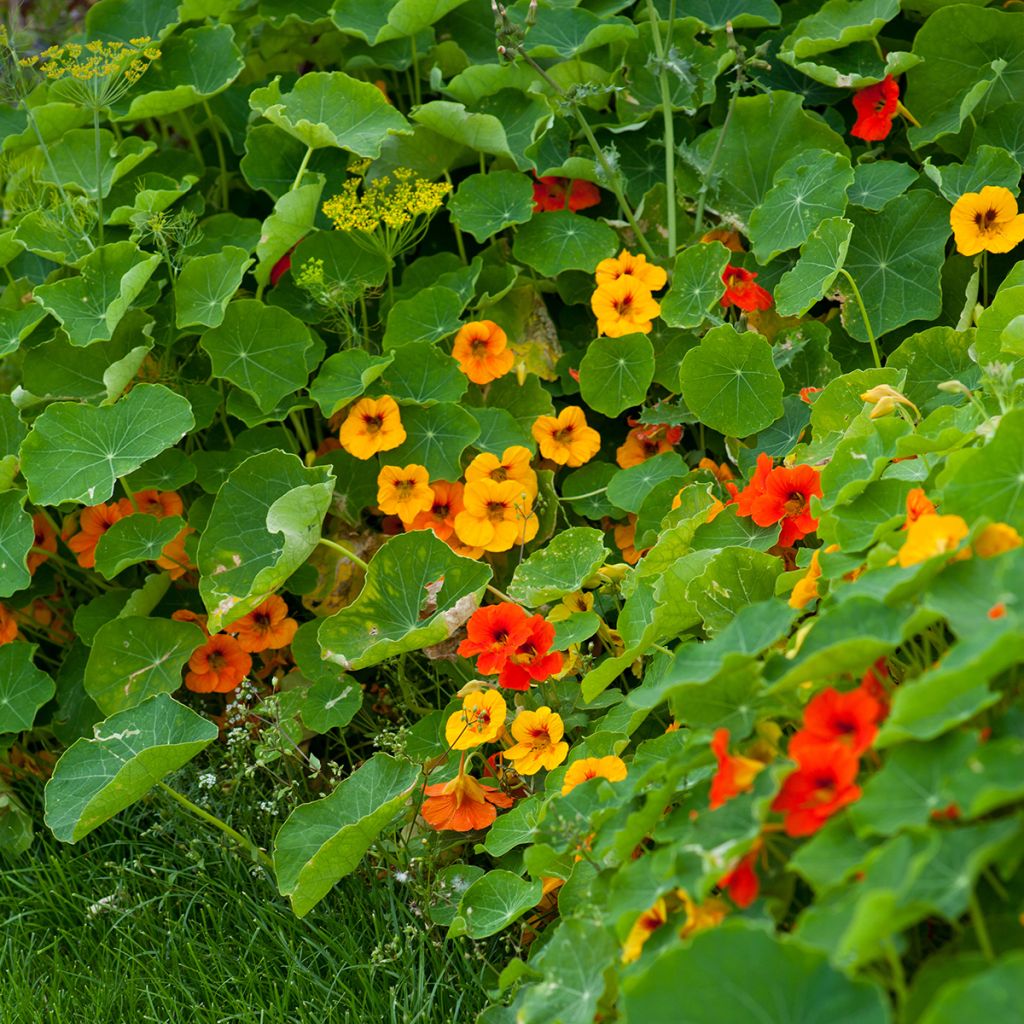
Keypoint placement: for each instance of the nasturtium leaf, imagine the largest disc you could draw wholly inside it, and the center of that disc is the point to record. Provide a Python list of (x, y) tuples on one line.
[(292, 219), (76, 452), (264, 524), (553, 242), (698, 67), (628, 488), (24, 689), (130, 753), (731, 382), (333, 698), (17, 324), (206, 285), (73, 162), (822, 256), (741, 13), (348, 267), (16, 538), (423, 374), (837, 24), (125, 20), (733, 579), (91, 305), (454, 123), (345, 376), (569, 31), (895, 257), (134, 539), (696, 286), (729, 530), (990, 481), (986, 165), (331, 109), (615, 373), (485, 204), (807, 189), (147, 193), (436, 437), (261, 349), (380, 24), (499, 430), (876, 183), (992, 994), (322, 841), (194, 65), (169, 471), (493, 902), (932, 357), (431, 315), (591, 481), (134, 657), (562, 566), (418, 592)]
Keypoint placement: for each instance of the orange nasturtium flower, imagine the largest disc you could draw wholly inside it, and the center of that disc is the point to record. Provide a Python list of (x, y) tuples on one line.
[(806, 589), (93, 523), (462, 805), (996, 539), (876, 106), (481, 720), (161, 504), (822, 785), (482, 352), (551, 193), (44, 539), (566, 438), (404, 491), (514, 464), (624, 306), (218, 666), (917, 505), (496, 516), (445, 506), (539, 744), (611, 768), (849, 720), (735, 773), (986, 221), (641, 444), (741, 291), (625, 540), (493, 634), (373, 425), (931, 535), (730, 239), (781, 495), (266, 628), (643, 928), (8, 625), (741, 881), (173, 557), (627, 265), (533, 659)]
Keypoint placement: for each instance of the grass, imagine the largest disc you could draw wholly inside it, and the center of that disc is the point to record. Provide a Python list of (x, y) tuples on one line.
[(153, 919)]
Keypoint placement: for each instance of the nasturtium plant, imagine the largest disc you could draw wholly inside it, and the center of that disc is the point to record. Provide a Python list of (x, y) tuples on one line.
[(582, 440)]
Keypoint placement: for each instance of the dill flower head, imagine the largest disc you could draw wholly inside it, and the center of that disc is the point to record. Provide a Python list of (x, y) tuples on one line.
[(394, 201), (107, 67)]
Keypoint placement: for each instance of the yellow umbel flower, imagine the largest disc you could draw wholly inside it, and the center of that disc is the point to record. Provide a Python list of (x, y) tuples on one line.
[(110, 66)]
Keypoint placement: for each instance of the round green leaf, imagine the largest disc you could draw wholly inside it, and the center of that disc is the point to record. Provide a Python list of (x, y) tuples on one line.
[(821, 258), (876, 183), (292, 219), (134, 539), (76, 452), (130, 753), (24, 689), (322, 841), (423, 374), (74, 160), (436, 438), (207, 284), (344, 376), (733, 579), (993, 994), (431, 315), (379, 23), (629, 487), (742, 13), (347, 266), (730, 382), (133, 658), (559, 568), (485, 204), (615, 373), (696, 285), (16, 538), (493, 902), (562, 240)]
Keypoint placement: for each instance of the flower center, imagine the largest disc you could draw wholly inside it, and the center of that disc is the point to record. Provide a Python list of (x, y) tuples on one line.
[(795, 504), (499, 474), (404, 488), (985, 219), (563, 435), (373, 424), (216, 661), (478, 347), (496, 511)]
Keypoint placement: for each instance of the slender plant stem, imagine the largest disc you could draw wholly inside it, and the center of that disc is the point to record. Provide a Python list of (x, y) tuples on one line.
[(980, 930), (899, 981), (298, 422), (302, 169), (698, 219), (345, 552), (247, 844), (589, 494), (98, 150), (666, 112), (221, 159), (459, 242), (864, 316), (417, 94)]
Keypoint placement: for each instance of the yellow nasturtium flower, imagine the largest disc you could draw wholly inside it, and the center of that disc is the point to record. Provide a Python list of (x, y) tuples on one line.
[(986, 221)]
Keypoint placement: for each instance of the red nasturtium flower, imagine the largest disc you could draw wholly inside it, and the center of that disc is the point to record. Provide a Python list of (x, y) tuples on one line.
[(917, 505), (822, 784), (876, 106), (218, 666), (551, 193), (8, 625), (265, 628), (735, 773), (494, 633), (781, 495), (847, 719), (873, 684), (742, 883), (93, 523), (741, 291), (533, 659), (44, 542), (462, 805)]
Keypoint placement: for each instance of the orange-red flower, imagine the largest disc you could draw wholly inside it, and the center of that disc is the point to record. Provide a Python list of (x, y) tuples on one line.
[(735, 773), (822, 784), (566, 438), (482, 352), (462, 805), (625, 540), (218, 666), (552, 193), (532, 658), (372, 425), (876, 106), (641, 444), (873, 684), (440, 517), (847, 719), (173, 557), (493, 633), (266, 628), (44, 542), (741, 291), (782, 496), (742, 883), (93, 523), (152, 503), (8, 625), (917, 505)]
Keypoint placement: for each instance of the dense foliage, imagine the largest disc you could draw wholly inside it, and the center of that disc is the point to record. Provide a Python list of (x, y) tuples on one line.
[(609, 411)]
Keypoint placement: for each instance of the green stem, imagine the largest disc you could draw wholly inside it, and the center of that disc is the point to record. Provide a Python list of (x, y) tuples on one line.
[(98, 150), (417, 93), (302, 169), (248, 845), (864, 316), (698, 220), (193, 142), (221, 159), (980, 930), (899, 981), (299, 424), (666, 111), (984, 277), (345, 552), (589, 494), (459, 243)]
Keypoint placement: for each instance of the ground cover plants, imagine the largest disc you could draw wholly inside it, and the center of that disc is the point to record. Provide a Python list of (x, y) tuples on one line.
[(584, 441)]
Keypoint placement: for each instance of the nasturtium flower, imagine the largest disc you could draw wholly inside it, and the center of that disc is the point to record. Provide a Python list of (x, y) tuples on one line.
[(44, 542), (720, 471), (876, 106), (493, 633), (92, 524), (173, 557), (741, 881), (161, 504), (931, 535), (218, 666), (730, 239), (572, 604), (917, 505), (533, 659), (539, 744), (885, 399), (8, 625), (611, 768), (643, 928), (821, 786), (735, 773), (496, 516), (266, 628), (986, 221), (462, 805), (566, 438), (848, 719), (700, 916), (781, 495), (625, 540), (445, 505), (627, 265), (551, 193), (480, 720), (642, 443), (514, 464), (482, 352), (806, 589), (404, 491), (624, 306), (372, 425), (996, 539), (741, 291)]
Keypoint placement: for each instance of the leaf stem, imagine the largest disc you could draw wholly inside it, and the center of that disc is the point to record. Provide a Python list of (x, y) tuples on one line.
[(221, 159), (98, 152), (864, 316), (589, 494), (666, 111), (302, 169), (346, 552), (980, 930)]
